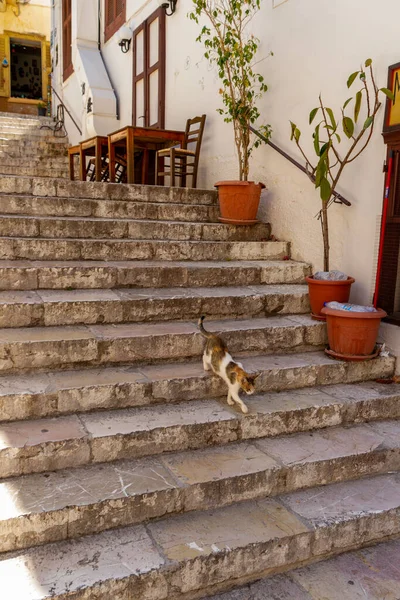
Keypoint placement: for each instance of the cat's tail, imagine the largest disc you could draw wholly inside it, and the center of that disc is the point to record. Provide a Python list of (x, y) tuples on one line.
[(203, 331)]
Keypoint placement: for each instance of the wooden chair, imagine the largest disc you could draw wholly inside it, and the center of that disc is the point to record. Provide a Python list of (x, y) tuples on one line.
[(96, 147), (183, 162), (72, 152)]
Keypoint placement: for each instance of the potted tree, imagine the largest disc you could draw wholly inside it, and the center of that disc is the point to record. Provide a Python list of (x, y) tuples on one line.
[(231, 48), (326, 170)]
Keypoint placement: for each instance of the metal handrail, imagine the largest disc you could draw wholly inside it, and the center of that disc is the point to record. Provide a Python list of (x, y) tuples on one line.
[(68, 112), (338, 197)]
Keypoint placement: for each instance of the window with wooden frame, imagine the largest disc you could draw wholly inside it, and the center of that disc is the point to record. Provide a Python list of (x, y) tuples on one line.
[(68, 67), (115, 17), (149, 72)]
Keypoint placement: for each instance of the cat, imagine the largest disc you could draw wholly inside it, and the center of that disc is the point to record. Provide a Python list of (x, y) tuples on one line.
[(217, 358)]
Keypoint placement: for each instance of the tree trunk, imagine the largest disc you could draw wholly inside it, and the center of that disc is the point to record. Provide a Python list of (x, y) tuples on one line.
[(325, 234)]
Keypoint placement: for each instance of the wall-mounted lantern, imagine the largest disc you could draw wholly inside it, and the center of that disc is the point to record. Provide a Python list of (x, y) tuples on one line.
[(168, 4), (124, 38)]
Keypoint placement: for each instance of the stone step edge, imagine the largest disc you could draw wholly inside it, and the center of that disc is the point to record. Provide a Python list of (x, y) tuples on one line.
[(55, 393), (79, 307), (382, 578), (172, 490), (148, 561), (43, 186), (104, 437), (31, 348), (26, 275)]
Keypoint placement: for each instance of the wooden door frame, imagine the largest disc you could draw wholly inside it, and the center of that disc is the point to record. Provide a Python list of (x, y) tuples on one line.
[(45, 67), (147, 70)]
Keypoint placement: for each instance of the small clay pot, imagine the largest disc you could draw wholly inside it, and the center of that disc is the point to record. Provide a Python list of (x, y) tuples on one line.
[(239, 201), (352, 335), (321, 291)]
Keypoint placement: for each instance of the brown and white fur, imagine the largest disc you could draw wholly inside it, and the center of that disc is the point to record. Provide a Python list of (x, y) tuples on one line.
[(217, 358)]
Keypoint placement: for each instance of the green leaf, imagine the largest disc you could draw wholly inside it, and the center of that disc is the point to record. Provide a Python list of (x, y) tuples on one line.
[(323, 149), (320, 172), (332, 117), (325, 189), (348, 126), (388, 93), (294, 127), (351, 78), (368, 122), (346, 103), (316, 140), (357, 106), (338, 137), (312, 114), (368, 62)]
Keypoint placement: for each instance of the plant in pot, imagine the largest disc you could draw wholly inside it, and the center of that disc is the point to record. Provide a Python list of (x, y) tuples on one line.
[(330, 135), (42, 110), (231, 48)]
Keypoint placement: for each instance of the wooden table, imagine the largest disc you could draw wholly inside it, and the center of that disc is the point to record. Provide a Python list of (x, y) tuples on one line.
[(98, 147), (143, 138)]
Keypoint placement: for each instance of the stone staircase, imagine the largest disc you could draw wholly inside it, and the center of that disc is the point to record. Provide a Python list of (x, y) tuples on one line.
[(28, 150), (124, 473)]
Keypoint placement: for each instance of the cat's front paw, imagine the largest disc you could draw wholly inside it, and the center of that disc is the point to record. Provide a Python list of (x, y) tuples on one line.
[(244, 409)]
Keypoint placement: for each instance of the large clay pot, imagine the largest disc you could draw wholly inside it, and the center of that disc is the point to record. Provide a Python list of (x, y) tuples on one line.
[(321, 291), (239, 201), (352, 335)]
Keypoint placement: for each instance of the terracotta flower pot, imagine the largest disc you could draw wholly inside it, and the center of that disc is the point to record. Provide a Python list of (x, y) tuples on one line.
[(352, 335), (239, 201), (321, 291)]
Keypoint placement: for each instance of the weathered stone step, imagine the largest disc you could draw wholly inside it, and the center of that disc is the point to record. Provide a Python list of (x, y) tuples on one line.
[(36, 171), (116, 209), (63, 307), (49, 394), (51, 162), (39, 186), (372, 574), (9, 116), (26, 132), (184, 557), (26, 141), (129, 249), (112, 228), (33, 275), (15, 149), (37, 446), (83, 501), (55, 347)]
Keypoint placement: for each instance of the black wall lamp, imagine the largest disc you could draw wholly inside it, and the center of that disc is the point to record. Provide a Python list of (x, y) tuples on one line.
[(124, 38), (165, 5)]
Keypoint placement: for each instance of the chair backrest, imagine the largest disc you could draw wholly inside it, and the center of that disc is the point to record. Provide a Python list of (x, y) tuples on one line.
[(194, 133)]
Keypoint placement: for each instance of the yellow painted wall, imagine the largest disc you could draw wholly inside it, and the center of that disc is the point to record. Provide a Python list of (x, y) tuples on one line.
[(33, 18)]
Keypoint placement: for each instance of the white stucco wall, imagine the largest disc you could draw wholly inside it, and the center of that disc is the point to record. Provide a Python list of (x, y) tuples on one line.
[(316, 44)]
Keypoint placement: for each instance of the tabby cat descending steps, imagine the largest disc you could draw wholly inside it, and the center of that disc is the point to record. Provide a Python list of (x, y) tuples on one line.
[(217, 358)]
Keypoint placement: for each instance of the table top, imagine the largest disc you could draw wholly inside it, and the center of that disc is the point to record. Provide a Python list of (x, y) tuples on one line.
[(148, 134)]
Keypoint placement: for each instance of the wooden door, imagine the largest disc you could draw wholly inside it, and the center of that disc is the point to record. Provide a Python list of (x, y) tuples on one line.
[(149, 72)]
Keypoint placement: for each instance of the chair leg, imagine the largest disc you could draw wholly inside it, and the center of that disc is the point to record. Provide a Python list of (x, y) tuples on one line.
[(82, 167), (97, 160), (111, 161), (71, 166), (172, 167)]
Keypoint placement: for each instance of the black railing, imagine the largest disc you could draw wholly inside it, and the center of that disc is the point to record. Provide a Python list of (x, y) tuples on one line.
[(337, 197), (67, 111)]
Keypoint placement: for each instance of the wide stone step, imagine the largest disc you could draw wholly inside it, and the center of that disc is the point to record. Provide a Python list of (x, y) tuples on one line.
[(86, 228), (39, 186), (55, 347), (186, 556), (26, 141), (53, 307), (33, 275), (129, 249), (35, 171), (51, 444), (49, 394), (374, 575), (74, 502), (27, 133), (116, 209), (52, 162), (42, 347), (15, 149)]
